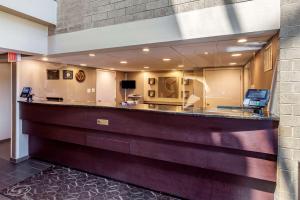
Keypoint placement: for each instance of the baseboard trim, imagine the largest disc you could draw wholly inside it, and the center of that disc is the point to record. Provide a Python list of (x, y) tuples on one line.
[(16, 161), (6, 140)]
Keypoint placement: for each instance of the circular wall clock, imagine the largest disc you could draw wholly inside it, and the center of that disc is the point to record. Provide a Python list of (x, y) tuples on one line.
[(80, 76)]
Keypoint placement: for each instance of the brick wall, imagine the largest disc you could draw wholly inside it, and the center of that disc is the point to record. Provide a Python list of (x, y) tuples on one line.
[(75, 15), (289, 86)]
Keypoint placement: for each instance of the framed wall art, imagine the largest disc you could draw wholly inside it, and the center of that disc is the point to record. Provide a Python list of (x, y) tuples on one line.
[(80, 76), (185, 81), (52, 74), (268, 58), (68, 74), (151, 93), (151, 81), (168, 87)]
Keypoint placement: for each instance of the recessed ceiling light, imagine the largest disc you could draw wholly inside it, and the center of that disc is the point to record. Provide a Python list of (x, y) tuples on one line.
[(206, 53), (232, 63), (167, 59), (92, 55), (236, 54), (83, 65), (123, 62), (243, 40), (146, 67), (45, 59), (180, 66), (146, 49)]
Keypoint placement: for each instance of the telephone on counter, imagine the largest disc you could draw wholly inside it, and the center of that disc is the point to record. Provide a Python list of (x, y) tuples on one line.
[(257, 100), (26, 93)]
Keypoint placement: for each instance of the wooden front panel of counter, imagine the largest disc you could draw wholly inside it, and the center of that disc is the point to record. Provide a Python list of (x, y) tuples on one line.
[(195, 157)]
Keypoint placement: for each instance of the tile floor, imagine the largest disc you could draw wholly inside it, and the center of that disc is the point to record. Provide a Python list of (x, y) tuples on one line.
[(36, 180), (11, 174), (5, 150)]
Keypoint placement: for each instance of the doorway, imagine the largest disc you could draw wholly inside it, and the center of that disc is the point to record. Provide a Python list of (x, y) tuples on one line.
[(6, 110), (224, 87), (106, 87)]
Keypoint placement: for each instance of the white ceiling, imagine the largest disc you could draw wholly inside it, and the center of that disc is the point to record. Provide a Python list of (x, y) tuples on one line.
[(191, 55)]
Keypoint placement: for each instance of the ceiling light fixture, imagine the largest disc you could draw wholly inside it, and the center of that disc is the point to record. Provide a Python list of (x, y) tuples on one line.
[(146, 49), (45, 59), (112, 68), (206, 53), (180, 66), (123, 62), (243, 40), (167, 59), (146, 67), (83, 65), (92, 55), (233, 63), (236, 55)]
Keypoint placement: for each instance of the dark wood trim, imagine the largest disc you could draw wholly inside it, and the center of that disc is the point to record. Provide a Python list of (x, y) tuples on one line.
[(187, 156), (14, 110), (179, 180), (175, 152), (6, 140), (256, 135)]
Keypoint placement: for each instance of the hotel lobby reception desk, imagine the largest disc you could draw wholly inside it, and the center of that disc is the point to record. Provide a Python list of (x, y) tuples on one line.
[(193, 154)]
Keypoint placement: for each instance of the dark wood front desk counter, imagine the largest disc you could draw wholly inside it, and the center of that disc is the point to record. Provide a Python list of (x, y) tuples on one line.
[(194, 154)]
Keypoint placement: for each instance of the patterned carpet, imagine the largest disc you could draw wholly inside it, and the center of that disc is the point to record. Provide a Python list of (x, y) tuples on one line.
[(60, 183)]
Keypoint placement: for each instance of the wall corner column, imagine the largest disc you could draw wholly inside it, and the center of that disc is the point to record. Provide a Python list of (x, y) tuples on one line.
[(289, 103)]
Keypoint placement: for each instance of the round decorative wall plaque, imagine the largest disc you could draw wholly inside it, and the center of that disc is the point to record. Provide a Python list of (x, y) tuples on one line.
[(80, 76)]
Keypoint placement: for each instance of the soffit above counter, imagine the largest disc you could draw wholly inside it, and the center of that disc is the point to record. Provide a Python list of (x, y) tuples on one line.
[(233, 19)]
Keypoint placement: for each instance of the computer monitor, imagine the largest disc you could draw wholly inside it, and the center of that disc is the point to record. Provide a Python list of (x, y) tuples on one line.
[(26, 92), (257, 98), (128, 84)]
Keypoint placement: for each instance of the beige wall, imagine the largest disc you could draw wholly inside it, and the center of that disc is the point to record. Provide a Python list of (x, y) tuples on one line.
[(120, 95), (225, 87), (255, 77), (247, 84), (156, 75), (34, 74), (142, 86), (259, 79), (5, 101), (139, 78), (197, 86)]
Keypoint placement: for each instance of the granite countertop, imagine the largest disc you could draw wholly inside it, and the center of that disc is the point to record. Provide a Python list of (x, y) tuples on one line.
[(226, 113)]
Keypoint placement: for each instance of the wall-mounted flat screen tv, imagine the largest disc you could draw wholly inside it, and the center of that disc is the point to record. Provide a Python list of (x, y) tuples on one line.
[(128, 84)]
